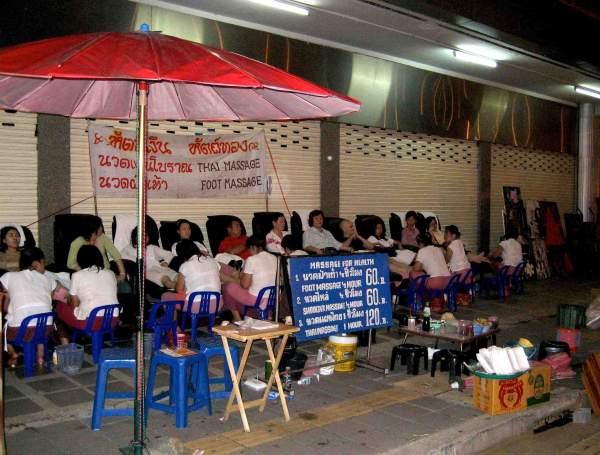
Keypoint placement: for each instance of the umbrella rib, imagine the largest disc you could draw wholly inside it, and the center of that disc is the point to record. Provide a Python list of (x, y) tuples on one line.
[(85, 92), (237, 67), (82, 48), (226, 103)]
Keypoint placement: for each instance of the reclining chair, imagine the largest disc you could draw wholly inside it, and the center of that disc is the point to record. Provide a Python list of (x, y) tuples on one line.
[(216, 229)]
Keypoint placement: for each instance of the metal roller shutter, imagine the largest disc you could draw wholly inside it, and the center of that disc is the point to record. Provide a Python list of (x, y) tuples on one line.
[(18, 172), (540, 175), (383, 171), (295, 147)]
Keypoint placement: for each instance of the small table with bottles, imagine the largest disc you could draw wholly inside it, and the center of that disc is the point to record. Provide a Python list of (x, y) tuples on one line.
[(449, 334), (248, 336)]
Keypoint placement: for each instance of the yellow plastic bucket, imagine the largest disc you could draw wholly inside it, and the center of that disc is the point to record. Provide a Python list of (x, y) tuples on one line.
[(344, 347)]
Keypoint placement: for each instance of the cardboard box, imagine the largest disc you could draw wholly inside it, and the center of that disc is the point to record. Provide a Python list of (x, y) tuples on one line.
[(538, 383), (500, 396)]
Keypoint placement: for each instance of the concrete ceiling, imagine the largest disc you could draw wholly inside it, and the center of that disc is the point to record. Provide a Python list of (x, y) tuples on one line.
[(375, 28)]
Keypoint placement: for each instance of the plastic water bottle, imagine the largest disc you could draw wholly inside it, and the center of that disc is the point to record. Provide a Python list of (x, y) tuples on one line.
[(426, 326)]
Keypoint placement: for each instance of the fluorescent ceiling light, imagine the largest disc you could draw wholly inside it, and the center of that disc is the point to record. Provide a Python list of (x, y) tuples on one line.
[(477, 59), (283, 6), (587, 91), (484, 51)]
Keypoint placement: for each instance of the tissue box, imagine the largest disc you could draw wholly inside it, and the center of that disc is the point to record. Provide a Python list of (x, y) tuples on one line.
[(538, 383), (500, 396)]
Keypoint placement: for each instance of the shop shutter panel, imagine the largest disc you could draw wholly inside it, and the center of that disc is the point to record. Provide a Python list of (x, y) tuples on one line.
[(295, 147), (18, 169), (383, 171), (540, 175)]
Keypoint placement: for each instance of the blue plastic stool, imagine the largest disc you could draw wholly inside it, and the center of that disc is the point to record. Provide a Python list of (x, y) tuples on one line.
[(164, 324), (109, 359), (188, 379), (212, 347), (98, 334), (30, 347)]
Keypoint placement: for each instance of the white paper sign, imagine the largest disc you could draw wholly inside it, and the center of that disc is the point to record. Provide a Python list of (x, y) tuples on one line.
[(178, 166)]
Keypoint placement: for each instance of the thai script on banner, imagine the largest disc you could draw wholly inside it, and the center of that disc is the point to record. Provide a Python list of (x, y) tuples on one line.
[(177, 166), (339, 294)]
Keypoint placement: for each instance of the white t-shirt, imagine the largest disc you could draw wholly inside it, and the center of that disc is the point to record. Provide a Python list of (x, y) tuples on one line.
[(201, 273), (201, 247), (312, 237), (274, 242), (30, 292), (434, 263), (94, 288), (384, 243), (512, 252), (458, 260), (263, 268)]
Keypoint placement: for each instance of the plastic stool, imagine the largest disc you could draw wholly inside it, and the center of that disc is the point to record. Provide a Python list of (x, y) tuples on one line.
[(212, 347), (188, 379), (109, 359), (451, 361), (409, 355)]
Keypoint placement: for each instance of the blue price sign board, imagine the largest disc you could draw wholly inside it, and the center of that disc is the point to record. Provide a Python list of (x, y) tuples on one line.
[(340, 294)]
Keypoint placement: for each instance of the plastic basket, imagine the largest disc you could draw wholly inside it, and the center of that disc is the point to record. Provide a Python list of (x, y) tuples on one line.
[(69, 357)]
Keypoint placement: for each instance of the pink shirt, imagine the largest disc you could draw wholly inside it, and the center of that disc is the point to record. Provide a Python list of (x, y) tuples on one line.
[(409, 236)]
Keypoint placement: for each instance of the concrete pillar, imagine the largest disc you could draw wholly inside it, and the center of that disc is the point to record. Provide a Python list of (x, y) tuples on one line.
[(54, 176), (330, 168), (484, 194), (586, 176)]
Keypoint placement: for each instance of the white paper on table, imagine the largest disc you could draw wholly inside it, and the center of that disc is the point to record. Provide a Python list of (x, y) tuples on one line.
[(256, 324)]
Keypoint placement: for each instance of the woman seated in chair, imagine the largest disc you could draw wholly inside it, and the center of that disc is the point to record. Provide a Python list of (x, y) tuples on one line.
[(197, 273), (92, 286), (276, 235), (235, 242), (510, 251), (458, 260), (10, 252), (29, 292), (430, 260), (400, 263), (410, 232), (184, 231), (259, 271), (316, 239), (157, 263), (94, 235), (437, 236)]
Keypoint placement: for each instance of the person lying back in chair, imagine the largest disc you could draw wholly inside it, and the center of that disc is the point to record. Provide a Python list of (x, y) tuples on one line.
[(316, 239)]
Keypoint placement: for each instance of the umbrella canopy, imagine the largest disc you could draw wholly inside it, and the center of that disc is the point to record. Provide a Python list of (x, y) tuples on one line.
[(150, 76), (94, 76)]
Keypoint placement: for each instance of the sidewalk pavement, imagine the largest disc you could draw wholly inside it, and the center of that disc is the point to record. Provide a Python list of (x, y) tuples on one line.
[(359, 412)]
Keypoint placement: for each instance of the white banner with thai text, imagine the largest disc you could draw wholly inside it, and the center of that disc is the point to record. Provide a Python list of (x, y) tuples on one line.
[(177, 166)]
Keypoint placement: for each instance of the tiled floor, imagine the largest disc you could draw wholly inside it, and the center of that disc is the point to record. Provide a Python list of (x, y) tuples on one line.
[(50, 412)]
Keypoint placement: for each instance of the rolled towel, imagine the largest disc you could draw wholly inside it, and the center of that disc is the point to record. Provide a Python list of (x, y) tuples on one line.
[(484, 363), (521, 358)]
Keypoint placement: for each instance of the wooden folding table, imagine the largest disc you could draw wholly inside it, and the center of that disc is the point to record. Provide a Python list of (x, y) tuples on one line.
[(248, 336)]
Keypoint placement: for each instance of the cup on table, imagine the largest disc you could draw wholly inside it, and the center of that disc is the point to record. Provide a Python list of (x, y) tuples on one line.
[(182, 340)]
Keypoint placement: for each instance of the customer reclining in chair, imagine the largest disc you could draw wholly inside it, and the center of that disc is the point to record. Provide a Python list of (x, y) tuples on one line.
[(316, 238)]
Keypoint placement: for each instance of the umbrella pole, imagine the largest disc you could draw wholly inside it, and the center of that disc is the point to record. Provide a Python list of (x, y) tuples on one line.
[(138, 444)]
